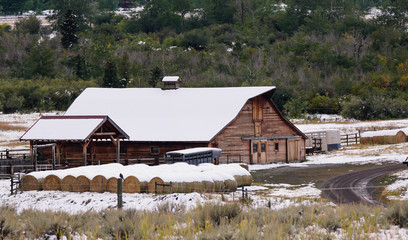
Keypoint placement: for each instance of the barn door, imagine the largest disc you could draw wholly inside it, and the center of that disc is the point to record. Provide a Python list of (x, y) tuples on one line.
[(259, 151), (294, 153)]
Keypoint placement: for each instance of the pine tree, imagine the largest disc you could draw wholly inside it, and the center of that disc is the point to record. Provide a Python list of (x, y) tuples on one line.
[(155, 76), (69, 29), (110, 76)]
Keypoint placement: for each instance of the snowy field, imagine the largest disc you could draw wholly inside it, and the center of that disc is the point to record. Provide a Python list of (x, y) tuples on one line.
[(269, 195)]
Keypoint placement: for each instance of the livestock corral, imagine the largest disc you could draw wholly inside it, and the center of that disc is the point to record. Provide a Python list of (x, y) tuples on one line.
[(139, 178)]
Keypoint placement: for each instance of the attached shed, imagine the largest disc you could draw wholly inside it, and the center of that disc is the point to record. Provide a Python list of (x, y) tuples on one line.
[(391, 136), (78, 140), (242, 121)]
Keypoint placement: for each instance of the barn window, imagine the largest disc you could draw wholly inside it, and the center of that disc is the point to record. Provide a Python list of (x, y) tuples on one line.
[(263, 147), (276, 146), (154, 150), (255, 147)]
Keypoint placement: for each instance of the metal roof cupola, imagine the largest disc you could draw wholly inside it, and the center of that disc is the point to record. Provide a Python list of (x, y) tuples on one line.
[(171, 82)]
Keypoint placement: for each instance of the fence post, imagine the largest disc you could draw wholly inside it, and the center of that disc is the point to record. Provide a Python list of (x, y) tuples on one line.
[(243, 195), (227, 159), (120, 192), (356, 139), (12, 184), (347, 139)]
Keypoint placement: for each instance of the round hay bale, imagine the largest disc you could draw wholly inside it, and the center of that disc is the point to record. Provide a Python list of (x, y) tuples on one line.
[(247, 180), (208, 186), (230, 185), (67, 183), (131, 185), (51, 183), (181, 187), (82, 184), (218, 186), (98, 184), (112, 185), (30, 183), (152, 188)]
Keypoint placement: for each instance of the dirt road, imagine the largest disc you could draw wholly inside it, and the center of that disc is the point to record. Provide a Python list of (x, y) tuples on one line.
[(357, 186)]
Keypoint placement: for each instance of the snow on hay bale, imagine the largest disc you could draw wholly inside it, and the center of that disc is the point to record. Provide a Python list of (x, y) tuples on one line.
[(53, 180), (391, 136), (241, 175)]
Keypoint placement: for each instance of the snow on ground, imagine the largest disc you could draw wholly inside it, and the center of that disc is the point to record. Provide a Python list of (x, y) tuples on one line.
[(268, 195), (73, 202), (350, 155), (400, 186), (18, 124)]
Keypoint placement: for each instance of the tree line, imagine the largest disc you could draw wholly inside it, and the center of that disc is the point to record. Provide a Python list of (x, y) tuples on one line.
[(323, 56)]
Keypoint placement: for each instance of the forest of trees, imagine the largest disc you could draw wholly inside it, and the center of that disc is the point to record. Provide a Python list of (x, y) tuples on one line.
[(323, 56)]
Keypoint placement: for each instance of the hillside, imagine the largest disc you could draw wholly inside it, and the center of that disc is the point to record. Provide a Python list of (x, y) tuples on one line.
[(339, 57)]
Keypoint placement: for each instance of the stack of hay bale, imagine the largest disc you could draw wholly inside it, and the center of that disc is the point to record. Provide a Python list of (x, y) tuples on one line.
[(178, 177)]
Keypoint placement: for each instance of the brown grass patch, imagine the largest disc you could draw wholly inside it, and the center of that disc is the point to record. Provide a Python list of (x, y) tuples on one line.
[(8, 126)]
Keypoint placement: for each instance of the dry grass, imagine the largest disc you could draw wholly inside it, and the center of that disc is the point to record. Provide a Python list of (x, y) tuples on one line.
[(9, 126), (211, 221)]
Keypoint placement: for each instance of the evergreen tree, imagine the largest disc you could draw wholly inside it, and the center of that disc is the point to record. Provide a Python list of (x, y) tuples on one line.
[(156, 75), (69, 29), (12, 6), (110, 76), (123, 69)]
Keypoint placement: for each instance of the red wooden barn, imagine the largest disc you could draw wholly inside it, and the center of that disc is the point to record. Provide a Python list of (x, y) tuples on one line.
[(141, 124)]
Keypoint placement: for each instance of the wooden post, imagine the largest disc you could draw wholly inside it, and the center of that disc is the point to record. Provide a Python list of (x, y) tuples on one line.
[(84, 147), (58, 153), (120, 193), (118, 150), (287, 150), (35, 159), (53, 157), (31, 152)]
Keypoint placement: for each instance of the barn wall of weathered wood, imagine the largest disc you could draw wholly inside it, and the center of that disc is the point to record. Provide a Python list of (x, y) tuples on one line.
[(252, 123)]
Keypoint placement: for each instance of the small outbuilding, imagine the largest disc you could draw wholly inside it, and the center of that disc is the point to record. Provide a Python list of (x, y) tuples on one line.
[(390, 136)]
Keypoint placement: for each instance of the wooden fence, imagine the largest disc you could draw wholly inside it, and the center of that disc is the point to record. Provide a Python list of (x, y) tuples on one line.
[(350, 139)]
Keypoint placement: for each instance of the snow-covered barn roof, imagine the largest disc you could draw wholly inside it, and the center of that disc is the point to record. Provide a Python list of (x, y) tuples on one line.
[(153, 114), (75, 128)]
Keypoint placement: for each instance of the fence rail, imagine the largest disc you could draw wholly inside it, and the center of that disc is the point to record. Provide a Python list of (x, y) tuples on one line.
[(350, 139), (14, 154)]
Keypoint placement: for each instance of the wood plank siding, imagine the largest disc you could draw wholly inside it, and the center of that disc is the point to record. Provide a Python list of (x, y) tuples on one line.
[(259, 111)]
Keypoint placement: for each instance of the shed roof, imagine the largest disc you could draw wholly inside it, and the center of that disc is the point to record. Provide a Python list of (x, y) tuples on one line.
[(75, 128), (182, 115)]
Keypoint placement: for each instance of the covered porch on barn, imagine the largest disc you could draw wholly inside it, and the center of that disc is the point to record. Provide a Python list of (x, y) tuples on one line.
[(71, 141)]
